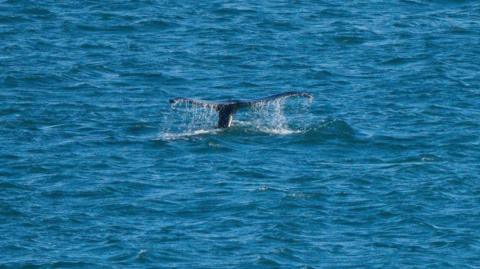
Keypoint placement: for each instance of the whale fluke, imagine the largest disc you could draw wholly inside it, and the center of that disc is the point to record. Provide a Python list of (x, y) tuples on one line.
[(226, 109)]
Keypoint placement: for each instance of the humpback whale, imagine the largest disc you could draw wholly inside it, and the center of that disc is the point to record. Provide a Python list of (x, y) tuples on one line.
[(226, 109)]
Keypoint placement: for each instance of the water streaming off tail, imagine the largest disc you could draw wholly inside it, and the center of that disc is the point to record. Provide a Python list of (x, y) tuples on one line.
[(273, 116), (186, 119), (269, 115), (279, 117)]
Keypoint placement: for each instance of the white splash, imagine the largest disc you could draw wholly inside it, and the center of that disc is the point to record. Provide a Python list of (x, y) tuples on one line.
[(184, 135)]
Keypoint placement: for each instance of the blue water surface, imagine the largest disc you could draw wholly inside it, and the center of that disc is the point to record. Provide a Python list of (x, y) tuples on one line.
[(380, 170)]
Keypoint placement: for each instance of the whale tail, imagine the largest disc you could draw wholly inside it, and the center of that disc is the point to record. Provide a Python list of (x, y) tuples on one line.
[(226, 109)]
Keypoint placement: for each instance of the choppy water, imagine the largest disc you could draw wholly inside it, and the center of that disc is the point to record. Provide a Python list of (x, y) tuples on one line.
[(380, 170)]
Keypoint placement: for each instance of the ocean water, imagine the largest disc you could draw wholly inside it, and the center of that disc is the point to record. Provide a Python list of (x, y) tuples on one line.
[(380, 170)]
